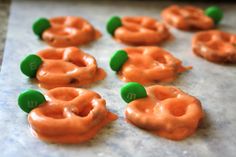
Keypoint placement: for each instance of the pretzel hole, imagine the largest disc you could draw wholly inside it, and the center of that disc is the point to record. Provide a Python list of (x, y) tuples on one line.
[(226, 38), (79, 62), (74, 80), (151, 27), (178, 108), (78, 24), (160, 59), (176, 12), (164, 94), (133, 20), (67, 39), (220, 46), (59, 68), (204, 37), (132, 29), (84, 112), (60, 32), (65, 95)]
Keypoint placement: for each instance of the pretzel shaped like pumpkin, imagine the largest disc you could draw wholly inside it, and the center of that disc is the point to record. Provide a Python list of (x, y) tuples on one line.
[(65, 31), (215, 46), (165, 110), (146, 65), (71, 115), (137, 30), (190, 17), (62, 67)]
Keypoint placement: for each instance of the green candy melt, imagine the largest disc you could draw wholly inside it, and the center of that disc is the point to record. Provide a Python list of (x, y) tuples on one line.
[(40, 25), (30, 65), (132, 91), (118, 59), (113, 23), (30, 99), (215, 13)]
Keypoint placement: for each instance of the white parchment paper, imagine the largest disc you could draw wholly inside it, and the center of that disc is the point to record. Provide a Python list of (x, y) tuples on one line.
[(213, 84)]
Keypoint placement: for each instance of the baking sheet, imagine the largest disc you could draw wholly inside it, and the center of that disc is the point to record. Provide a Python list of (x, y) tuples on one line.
[(214, 85)]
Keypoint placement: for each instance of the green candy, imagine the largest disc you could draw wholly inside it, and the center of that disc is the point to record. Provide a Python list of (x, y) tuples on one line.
[(113, 23), (30, 99), (118, 59), (30, 65), (215, 13), (40, 26), (132, 91)]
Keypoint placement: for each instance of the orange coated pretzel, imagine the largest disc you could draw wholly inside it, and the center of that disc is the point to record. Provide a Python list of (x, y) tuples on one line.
[(67, 67), (150, 64), (141, 30), (72, 115), (69, 31), (166, 111), (215, 46), (187, 18)]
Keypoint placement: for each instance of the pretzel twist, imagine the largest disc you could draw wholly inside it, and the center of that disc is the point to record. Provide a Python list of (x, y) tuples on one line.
[(67, 67), (69, 31), (150, 64), (72, 115), (167, 112), (187, 18), (141, 30), (215, 46)]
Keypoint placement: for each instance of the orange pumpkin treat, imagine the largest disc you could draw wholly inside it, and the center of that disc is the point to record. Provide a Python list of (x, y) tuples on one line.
[(60, 67), (192, 18), (215, 46), (162, 110), (146, 65), (137, 30), (71, 115), (65, 31)]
